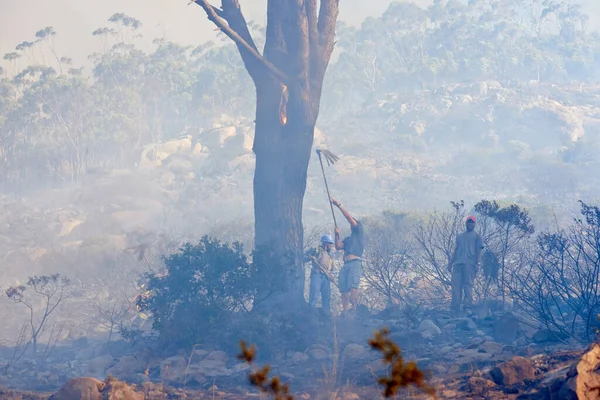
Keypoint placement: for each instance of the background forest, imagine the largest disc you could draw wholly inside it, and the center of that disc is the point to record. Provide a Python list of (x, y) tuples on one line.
[(486, 76)]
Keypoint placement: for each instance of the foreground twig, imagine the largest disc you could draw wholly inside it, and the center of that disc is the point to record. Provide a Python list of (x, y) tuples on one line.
[(401, 375), (260, 377)]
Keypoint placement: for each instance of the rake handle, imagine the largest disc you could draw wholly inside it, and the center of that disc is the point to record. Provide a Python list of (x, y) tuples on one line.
[(327, 188), (326, 274)]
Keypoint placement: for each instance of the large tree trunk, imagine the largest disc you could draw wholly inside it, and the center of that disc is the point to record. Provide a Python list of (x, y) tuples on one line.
[(279, 187), (297, 51)]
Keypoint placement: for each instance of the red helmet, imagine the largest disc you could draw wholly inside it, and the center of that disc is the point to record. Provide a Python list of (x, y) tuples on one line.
[(471, 218)]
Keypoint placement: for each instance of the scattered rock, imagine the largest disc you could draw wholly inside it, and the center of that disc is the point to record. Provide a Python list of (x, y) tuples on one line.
[(409, 340), (464, 324), (298, 358), (479, 386), (470, 357), (98, 366), (172, 370), (220, 356), (544, 336), (117, 390), (80, 388), (215, 364), (513, 372), (429, 329), (491, 347), (354, 351), (126, 366), (506, 328), (200, 354), (317, 352)]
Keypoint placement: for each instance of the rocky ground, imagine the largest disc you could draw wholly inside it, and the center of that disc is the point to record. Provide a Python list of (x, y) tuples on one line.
[(500, 356)]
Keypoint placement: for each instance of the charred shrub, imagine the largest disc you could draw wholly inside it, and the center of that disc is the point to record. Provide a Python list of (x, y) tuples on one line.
[(203, 288)]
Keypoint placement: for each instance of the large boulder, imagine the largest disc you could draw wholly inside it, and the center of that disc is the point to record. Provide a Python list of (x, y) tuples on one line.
[(318, 352), (513, 372), (409, 340), (127, 366), (216, 138), (173, 370), (588, 375), (355, 351), (154, 154), (240, 143), (429, 329), (80, 388)]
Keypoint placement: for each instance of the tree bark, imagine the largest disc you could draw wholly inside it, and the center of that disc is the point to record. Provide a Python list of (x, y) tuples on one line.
[(299, 42)]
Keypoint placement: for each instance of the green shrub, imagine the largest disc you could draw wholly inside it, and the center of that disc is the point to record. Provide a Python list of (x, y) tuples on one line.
[(204, 286)]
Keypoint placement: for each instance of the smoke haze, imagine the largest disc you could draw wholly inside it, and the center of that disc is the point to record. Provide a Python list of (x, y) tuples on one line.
[(175, 20)]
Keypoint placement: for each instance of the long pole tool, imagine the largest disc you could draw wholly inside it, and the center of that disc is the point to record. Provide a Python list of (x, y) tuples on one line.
[(331, 159)]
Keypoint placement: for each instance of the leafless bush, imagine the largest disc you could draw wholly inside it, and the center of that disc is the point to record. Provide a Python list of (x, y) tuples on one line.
[(435, 239), (388, 271), (111, 313), (505, 230), (19, 347), (558, 282), (54, 333), (233, 231), (312, 235), (50, 291)]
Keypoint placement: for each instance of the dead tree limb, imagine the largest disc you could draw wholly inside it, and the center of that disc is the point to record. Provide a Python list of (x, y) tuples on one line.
[(238, 40)]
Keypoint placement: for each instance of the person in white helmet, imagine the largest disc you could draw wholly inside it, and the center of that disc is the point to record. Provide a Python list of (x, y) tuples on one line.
[(320, 275)]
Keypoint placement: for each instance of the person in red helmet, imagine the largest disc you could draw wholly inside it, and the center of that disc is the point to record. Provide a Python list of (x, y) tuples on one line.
[(464, 266)]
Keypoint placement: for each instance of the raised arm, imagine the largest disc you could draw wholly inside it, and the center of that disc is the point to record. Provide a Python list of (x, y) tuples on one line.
[(349, 218)]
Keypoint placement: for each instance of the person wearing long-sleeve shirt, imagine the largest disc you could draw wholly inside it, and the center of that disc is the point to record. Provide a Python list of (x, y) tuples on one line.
[(464, 265)]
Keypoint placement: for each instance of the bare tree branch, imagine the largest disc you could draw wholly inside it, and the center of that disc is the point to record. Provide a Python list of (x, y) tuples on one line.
[(242, 44), (52, 290), (232, 13)]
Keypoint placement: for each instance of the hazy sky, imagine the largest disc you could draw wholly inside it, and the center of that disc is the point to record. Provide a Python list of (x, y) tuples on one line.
[(74, 20)]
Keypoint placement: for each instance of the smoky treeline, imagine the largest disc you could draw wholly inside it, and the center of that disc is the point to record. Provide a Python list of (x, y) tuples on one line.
[(548, 277), (60, 121)]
